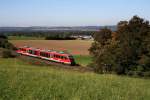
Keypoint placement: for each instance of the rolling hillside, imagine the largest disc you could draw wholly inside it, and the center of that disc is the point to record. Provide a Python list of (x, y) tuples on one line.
[(22, 81)]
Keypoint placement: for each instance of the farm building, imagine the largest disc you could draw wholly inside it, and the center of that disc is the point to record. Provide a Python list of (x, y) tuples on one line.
[(82, 37)]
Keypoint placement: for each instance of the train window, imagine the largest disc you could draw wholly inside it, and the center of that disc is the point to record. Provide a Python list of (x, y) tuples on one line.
[(35, 52), (65, 58), (22, 49), (49, 55), (46, 54), (41, 54), (30, 51)]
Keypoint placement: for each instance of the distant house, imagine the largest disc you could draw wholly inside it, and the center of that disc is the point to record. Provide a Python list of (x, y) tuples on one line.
[(86, 37), (82, 37)]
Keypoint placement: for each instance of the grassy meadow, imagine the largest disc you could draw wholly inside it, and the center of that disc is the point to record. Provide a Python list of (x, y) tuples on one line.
[(21, 81), (83, 60)]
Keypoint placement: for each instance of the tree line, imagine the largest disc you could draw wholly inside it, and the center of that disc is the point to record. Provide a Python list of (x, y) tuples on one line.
[(125, 51), (49, 35)]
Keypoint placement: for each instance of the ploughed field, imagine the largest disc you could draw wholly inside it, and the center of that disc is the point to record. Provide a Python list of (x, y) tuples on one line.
[(75, 47)]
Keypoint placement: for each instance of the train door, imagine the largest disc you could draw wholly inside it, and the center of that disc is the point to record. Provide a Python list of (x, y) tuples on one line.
[(36, 52)]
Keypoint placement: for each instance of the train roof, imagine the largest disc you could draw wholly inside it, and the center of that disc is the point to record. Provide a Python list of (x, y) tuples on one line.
[(46, 50)]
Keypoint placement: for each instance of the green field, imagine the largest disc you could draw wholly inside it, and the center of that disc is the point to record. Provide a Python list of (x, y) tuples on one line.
[(21, 81), (83, 60)]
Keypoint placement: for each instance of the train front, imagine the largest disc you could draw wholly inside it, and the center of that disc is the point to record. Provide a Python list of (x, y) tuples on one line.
[(72, 60)]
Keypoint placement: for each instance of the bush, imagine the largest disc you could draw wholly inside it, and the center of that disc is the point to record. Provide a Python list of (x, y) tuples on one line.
[(146, 74), (7, 54), (4, 43), (3, 37)]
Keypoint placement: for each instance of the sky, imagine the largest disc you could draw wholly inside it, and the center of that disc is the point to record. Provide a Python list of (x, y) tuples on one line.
[(70, 12)]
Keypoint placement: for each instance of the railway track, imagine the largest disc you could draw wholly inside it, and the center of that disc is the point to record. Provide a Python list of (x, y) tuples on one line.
[(40, 62)]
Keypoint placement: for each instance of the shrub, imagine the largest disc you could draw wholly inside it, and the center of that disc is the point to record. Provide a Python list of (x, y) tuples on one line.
[(4, 43), (7, 53), (146, 74)]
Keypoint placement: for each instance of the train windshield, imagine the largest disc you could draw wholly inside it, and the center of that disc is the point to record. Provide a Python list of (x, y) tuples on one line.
[(72, 60), (71, 57)]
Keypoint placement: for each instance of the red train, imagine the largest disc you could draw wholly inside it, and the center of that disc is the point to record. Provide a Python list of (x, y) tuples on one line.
[(51, 55)]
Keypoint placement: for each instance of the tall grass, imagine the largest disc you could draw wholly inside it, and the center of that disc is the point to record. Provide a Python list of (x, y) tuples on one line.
[(21, 81), (83, 60)]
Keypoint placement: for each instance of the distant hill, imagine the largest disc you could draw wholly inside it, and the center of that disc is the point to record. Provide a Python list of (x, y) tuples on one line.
[(39, 28)]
